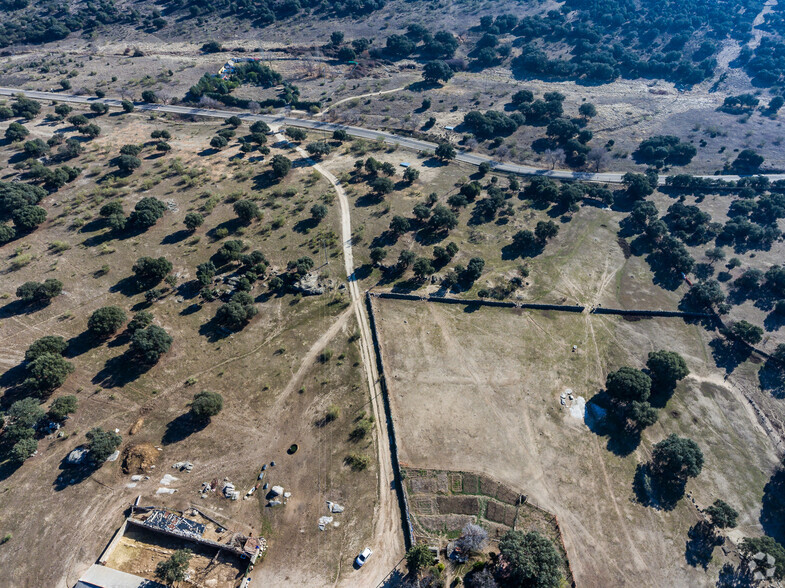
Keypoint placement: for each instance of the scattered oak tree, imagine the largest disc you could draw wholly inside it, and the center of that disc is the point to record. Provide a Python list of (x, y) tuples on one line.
[(150, 344), (531, 559), (206, 404), (106, 321), (102, 444)]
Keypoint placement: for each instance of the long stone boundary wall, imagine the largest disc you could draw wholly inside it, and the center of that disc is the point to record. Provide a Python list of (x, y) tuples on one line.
[(536, 306), (408, 531)]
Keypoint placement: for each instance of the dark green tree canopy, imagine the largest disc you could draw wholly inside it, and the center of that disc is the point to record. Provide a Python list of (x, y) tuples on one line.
[(236, 313), (26, 412), (106, 321), (747, 332), (62, 406), (532, 559), (150, 271), (28, 218), (230, 251), (173, 570), (146, 213), (419, 557), (140, 320), (436, 70), (627, 383), (206, 404), (445, 151), (280, 165), (193, 220), (102, 444), (150, 344), (23, 449), (39, 292), (666, 367), (53, 344), (16, 132), (722, 514), (247, 210), (677, 458), (47, 372)]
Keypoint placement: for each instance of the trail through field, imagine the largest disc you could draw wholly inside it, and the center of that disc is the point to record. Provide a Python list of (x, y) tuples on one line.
[(368, 95), (312, 354), (387, 544), (757, 33)]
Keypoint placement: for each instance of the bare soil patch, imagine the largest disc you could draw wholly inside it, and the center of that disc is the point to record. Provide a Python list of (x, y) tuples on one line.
[(478, 389)]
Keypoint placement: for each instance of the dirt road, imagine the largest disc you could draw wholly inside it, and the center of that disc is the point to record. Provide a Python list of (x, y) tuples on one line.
[(388, 544)]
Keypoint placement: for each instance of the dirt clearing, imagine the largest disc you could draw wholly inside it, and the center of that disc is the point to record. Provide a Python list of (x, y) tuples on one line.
[(479, 391)]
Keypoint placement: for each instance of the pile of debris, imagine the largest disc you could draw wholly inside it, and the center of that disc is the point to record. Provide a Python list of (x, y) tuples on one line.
[(77, 456), (138, 459), (332, 508), (186, 466), (277, 496), (229, 491), (311, 285)]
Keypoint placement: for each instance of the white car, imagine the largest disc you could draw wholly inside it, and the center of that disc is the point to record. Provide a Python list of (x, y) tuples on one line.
[(363, 557)]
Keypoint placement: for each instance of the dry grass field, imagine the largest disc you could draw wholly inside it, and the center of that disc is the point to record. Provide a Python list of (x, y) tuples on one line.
[(275, 387), (478, 390)]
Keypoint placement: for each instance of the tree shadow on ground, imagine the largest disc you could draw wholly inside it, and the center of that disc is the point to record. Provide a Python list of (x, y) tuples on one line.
[(369, 199), (406, 286), (661, 394), (728, 355), (122, 339), (773, 322), (99, 239), (128, 286), (73, 474), (772, 512), (304, 226), (94, 225), (363, 271), (772, 379), (14, 376), (385, 239), (649, 491), (8, 468), (430, 236), (732, 577), (702, 540), (602, 419), (265, 180), (213, 331), (191, 309), (182, 427), (176, 237), (512, 251), (120, 371), (17, 307), (434, 162), (81, 343), (231, 226)]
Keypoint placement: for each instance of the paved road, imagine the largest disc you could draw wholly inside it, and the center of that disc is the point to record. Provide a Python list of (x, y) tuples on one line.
[(307, 123)]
